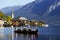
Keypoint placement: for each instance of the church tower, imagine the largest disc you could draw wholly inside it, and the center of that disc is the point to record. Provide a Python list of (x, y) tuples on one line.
[(12, 14)]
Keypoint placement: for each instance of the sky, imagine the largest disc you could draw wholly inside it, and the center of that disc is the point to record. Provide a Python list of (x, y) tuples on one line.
[(7, 3)]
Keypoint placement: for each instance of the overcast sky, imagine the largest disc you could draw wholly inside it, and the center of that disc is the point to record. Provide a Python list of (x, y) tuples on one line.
[(7, 3)]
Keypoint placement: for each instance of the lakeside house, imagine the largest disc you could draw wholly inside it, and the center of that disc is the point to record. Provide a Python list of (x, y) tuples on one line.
[(1, 22)]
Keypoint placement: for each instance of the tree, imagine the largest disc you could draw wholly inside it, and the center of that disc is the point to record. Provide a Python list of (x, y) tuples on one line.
[(9, 18), (2, 15)]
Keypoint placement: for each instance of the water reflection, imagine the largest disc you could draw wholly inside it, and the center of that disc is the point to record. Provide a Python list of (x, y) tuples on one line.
[(25, 37), (8, 34), (5, 34), (1, 33)]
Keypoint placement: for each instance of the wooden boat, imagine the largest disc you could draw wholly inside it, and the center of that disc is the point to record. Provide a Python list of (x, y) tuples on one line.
[(26, 31)]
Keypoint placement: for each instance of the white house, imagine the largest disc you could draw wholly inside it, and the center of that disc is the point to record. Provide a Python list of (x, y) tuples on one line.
[(22, 18), (1, 23)]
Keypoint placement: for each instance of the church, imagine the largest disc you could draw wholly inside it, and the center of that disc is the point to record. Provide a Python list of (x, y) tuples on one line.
[(12, 14)]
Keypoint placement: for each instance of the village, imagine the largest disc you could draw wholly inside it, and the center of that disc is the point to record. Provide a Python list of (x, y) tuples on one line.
[(20, 21)]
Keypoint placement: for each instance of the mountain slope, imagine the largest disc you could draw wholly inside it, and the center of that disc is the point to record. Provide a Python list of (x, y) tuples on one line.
[(8, 10), (37, 9), (47, 10)]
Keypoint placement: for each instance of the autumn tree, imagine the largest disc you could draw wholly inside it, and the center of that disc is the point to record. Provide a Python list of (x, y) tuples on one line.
[(9, 18), (2, 15)]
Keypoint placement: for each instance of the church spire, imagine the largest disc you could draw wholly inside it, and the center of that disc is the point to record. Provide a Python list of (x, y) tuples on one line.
[(12, 14)]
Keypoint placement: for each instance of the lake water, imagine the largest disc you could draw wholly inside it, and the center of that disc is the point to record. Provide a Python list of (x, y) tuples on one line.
[(49, 33)]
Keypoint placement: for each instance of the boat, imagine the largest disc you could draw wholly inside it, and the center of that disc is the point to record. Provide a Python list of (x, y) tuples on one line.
[(26, 30)]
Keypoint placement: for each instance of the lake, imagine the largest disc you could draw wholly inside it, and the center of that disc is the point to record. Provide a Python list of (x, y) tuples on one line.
[(49, 33)]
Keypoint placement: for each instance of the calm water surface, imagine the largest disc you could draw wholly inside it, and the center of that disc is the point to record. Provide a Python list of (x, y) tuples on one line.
[(50, 33)]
